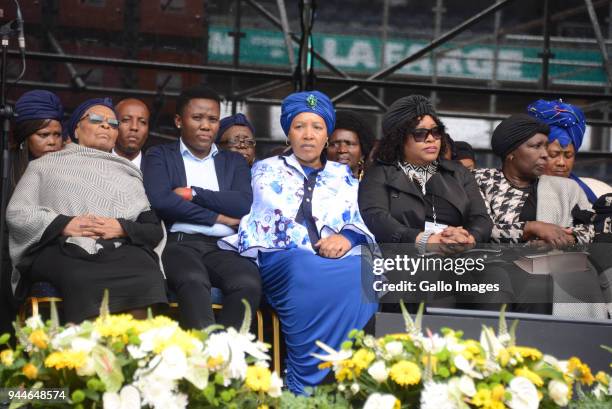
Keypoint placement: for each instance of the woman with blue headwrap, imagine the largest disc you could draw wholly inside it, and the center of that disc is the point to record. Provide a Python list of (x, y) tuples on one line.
[(80, 220), (305, 231), (567, 127)]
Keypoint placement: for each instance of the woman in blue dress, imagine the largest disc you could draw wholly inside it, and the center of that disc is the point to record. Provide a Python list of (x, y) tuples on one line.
[(306, 233)]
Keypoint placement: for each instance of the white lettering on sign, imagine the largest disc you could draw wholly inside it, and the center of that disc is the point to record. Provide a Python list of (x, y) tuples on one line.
[(220, 43)]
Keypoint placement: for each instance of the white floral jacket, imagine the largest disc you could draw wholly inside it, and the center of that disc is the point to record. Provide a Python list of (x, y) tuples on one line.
[(278, 191)]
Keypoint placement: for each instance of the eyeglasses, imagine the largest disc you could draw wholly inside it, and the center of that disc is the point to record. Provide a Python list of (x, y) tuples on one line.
[(420, 134), (338, 144), (233, 143), (96, 119)]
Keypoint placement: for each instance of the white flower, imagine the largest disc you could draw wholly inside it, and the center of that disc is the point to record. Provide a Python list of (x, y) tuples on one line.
[(394, 348), (433, 344), (82, 344), (437, 396), (155, 390), (464, 366), (128, 398), (276, 386), (466, 386), (136, 352), (88, 369), (173, 363), (559, 392), (355, 388), (149, 338), (524, 394), (64, 338), (378, 371), (490, 342), (332, 354), (34, 322), (341, 387), (379, 401)]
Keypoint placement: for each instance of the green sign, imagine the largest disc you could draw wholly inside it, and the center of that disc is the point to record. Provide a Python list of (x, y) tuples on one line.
[(362, 54)]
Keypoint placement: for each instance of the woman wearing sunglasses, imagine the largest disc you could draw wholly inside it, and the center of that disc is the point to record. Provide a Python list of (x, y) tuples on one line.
[(80, 220), (411, 194)]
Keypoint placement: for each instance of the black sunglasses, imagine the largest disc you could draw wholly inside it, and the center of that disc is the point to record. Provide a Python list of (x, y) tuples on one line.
[(96, 119), (420, 134)]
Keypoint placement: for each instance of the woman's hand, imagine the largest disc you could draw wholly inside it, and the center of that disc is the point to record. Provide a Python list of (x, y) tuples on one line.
[(334, 246), (552, 234), (107, 228), (80, 226)]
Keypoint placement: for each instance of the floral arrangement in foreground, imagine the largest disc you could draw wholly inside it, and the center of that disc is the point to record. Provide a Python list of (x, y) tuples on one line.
[(118, 362), (445, 371)]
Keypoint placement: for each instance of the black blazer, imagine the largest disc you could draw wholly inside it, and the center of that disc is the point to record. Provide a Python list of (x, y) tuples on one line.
[(393, 208), (164, 170)]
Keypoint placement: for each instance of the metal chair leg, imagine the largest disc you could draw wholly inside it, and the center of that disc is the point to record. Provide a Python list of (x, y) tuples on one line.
[(276, 343)]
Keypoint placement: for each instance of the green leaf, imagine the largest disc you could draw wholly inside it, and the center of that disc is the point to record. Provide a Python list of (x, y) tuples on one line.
[(5, 338), (246, 321), (197, 372), (107, 368), (104, 310)]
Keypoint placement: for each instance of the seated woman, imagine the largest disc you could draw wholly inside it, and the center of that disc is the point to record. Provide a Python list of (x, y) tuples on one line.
[(567, 127), (79, 219), (526, 205), (305, 229), (237, 134), (351, 142), (37, 131), (411, 194)]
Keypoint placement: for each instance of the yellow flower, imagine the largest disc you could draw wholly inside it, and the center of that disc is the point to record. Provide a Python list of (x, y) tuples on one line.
[(66, 359), (602, 378), (362, 359), (343, 374), (258, 378), (263, 407), (398, 404), (30, 371), (325, 365), (532, 376), (583, 372), (39, 338), (482, 398), (182, 339), (116, 326), (497, 393), (214, 362), (400, 337), (6, 357), (503, 356), (526, 352), (405, 373)]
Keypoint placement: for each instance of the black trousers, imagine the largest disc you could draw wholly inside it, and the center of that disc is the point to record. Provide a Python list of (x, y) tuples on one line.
[(193, 264)]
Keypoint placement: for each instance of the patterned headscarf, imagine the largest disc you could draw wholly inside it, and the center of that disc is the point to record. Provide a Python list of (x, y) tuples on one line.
[(78, 113), (229, 121), (307, 101), (38, 104), (566, 121)]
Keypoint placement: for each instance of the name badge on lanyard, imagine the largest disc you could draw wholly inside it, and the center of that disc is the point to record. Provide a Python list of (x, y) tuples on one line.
[(435, 227)]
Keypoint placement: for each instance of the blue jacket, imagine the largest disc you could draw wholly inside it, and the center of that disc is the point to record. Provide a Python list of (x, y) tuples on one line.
[(164, 171)]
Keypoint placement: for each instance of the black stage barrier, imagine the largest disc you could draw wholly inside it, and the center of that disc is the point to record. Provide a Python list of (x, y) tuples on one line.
[(551, 335)]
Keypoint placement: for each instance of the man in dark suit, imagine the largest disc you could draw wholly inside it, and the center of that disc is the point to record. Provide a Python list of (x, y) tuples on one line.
[(201, 193), (133, 115)]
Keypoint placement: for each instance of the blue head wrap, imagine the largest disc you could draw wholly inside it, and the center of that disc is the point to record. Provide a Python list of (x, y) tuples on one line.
[(307, 101), (229, 121), (567, 123), (78, 113), (38, 104)]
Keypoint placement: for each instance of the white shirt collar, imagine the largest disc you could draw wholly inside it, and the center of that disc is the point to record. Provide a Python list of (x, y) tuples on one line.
[(186, 152), (136, 161)]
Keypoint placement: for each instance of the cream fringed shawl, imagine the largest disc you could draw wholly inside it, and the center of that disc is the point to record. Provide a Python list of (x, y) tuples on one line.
[(72, 182)]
